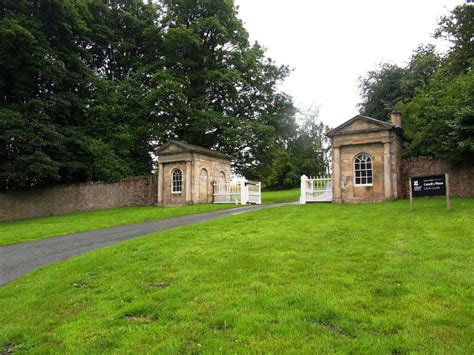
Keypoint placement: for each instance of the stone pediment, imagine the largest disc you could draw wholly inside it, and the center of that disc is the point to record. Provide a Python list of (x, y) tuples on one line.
[(171, 148), (360, 123), (176, 147)]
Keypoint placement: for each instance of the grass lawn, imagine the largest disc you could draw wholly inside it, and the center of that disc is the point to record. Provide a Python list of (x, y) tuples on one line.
[(372, 278), (269, 197), (44, 227)]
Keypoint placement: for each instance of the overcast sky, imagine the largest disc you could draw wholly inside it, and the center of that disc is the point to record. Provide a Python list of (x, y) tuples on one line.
[(329, 44)]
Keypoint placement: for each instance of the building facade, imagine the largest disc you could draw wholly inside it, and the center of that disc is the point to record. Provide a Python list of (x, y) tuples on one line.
[(186, 173), (366, 159)]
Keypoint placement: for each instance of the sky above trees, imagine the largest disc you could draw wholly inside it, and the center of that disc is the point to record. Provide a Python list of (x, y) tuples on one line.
[(329, 44)]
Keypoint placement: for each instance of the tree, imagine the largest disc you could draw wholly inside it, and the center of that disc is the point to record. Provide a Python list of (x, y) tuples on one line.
[(458, 28), (422, 66), (305, 153), (440, 116), (440, 120), (68, 104), (434, 92), (380, 90), (122, 36), (310, 148), (41, 84), (389, 84), (90, 87), (215, 89)]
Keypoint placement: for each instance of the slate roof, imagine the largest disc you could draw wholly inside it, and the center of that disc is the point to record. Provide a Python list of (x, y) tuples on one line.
[(193, 149), (383, 125)]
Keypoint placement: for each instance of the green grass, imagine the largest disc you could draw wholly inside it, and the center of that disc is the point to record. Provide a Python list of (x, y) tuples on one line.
[(40, 228), (45, 227), (371, 278), (269, 197)]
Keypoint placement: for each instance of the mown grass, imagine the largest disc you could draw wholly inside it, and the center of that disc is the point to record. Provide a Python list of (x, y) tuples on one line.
[(269, 197), (45, 227), (372, 278)]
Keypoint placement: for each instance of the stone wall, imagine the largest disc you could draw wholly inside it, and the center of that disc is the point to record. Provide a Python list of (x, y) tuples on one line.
[(461, 178), (79, 197)]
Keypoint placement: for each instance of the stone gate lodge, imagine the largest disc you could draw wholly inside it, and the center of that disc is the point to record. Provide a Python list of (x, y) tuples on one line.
[(367, 163), (366, 155), (186, 173)]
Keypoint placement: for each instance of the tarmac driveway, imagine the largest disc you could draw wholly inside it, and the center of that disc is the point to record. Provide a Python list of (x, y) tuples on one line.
[(19, 259)]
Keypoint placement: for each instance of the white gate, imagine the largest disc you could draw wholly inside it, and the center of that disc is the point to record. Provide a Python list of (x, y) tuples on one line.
[(227, 192), (242, 192), (254, 192), (316, 189)]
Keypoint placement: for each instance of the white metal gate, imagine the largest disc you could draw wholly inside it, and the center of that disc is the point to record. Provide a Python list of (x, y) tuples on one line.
[(316, 189), (242, 192)]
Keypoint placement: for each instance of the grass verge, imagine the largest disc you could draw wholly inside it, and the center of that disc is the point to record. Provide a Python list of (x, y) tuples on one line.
[(269, 197), (374, 278), (45, 227)]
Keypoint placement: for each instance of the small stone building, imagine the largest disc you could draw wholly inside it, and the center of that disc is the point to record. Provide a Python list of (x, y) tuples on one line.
[(186, 173), (366, 159)]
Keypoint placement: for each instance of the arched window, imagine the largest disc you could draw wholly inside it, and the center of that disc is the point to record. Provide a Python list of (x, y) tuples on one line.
[(203, 185), (221, 178), (177, 177), (363, 170)]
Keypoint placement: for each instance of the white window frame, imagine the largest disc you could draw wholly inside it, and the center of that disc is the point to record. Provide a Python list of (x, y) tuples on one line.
[(173, 181), (371, 169)]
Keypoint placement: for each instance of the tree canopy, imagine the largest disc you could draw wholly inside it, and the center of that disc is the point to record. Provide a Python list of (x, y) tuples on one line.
[(67, 105), (88, 89), (434, 92)]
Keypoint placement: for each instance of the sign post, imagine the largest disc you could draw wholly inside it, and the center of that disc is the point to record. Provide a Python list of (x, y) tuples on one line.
[(434, 185), (448, 197)]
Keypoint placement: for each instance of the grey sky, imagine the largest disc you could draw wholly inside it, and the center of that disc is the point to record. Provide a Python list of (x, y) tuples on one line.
[(329, 44)]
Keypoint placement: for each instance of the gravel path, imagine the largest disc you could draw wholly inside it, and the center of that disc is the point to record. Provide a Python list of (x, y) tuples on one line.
[(19, 259)]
